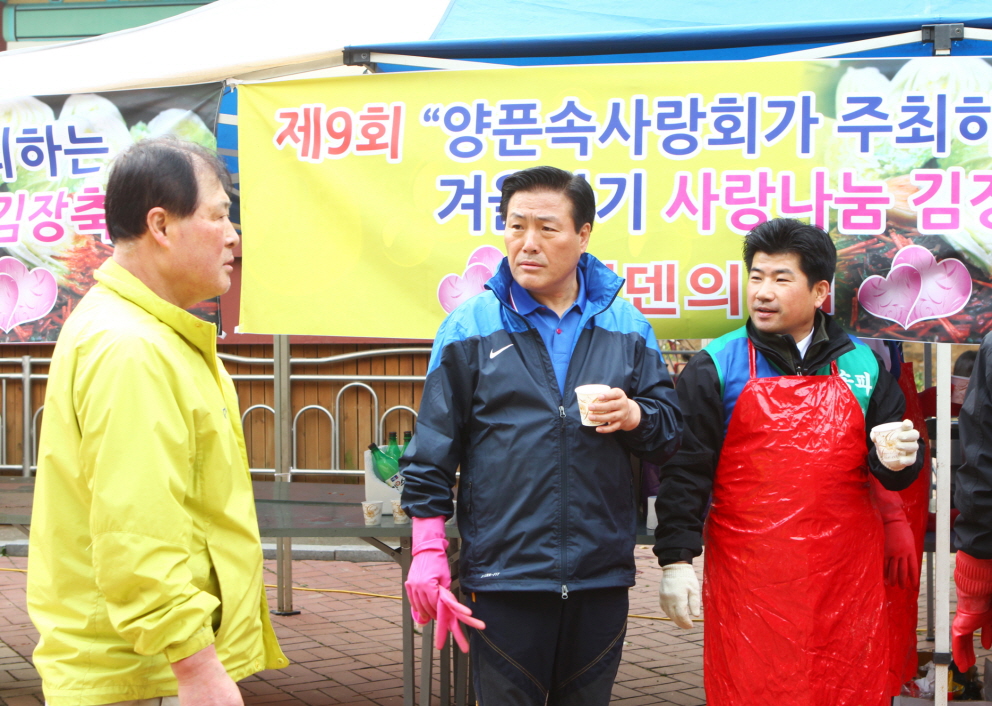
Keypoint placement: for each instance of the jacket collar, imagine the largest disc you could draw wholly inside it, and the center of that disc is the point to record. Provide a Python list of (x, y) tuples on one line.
[(829, 342), (601, 285), (524, 303), (200, 333)]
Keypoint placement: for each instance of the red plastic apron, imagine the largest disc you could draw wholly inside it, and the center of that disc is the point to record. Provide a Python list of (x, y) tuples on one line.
[(902, 603), (793, 587)]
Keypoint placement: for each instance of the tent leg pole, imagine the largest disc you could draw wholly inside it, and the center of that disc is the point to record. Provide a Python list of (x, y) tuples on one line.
[(942, 561), (283, 468)]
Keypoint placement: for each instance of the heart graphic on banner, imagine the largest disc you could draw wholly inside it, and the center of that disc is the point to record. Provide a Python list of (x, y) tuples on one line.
[(487, 255), (25, 295), (455, 289), (917, 288)]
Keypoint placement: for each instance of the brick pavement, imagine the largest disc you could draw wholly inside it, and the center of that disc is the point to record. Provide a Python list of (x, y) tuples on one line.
[(346, 649)]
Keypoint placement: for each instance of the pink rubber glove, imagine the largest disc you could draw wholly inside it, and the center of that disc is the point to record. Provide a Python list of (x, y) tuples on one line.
[(973, 578), (902, 567), (428, 582), (429, 571), (449, 613)]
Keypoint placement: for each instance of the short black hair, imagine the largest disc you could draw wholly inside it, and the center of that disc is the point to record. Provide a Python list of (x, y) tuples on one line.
[(158, 173), (554, 179), (817, 252), (965, 364)]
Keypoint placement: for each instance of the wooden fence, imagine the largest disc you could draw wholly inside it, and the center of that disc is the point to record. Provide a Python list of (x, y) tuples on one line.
[(358, 415), (382, 386)]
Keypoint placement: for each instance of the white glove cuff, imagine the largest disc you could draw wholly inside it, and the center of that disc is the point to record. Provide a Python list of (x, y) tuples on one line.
[(676, 570)]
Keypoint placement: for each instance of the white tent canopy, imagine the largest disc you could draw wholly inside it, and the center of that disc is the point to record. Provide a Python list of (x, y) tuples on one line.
[(241, 39)]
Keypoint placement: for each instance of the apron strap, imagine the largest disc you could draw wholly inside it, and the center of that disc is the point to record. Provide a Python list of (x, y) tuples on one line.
[(833, 367), (752, 363)]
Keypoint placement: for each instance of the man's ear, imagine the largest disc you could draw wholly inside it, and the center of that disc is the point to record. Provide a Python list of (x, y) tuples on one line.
[(584, 233), (156, 222), (820, 290)]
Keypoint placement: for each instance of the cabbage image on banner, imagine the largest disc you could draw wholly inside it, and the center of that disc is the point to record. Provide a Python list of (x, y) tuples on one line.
[(51, 194), (932, 262)]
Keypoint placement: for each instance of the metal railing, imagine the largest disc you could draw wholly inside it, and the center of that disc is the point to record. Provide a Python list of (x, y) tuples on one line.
[(354, 381), (31, 417)]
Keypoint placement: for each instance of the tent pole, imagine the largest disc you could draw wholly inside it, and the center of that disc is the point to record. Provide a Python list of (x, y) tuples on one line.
[(283, 468), (893, 40), (427, 62), (942, 648)]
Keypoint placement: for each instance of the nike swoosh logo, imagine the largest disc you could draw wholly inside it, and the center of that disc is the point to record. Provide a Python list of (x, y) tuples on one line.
[(493, 354)]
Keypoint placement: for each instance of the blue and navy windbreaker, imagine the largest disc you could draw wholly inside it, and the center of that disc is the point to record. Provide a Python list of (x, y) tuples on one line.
[(544, 503)]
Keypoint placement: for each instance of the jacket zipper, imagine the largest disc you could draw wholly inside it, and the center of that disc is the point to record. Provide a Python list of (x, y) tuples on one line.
[(562, 469), (561, 421), (564, 458), (564, 498)]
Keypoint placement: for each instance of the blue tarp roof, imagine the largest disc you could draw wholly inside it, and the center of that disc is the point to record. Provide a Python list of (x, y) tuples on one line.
[(548, 31), (478, 19)]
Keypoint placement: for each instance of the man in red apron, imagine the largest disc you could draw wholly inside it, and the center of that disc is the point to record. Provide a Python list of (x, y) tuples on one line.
[(777, 419), (973, 528)]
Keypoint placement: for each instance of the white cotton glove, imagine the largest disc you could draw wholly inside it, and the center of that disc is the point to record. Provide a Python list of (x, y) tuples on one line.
[(679, 593), (896, 448)]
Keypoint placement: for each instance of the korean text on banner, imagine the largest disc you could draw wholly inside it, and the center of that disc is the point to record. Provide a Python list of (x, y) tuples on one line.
[(371, 202), (53, 177)]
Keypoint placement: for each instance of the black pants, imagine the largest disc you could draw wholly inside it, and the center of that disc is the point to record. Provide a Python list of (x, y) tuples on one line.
[(539, 648)]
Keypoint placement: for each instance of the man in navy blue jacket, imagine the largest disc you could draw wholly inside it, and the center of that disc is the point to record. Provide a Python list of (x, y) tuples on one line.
[(546, 506)]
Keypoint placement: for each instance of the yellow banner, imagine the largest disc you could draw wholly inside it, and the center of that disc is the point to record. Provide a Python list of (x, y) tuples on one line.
[(370, 203)]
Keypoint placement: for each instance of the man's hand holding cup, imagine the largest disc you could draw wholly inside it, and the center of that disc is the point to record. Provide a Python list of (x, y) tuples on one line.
[(607, 408), (895, 444)]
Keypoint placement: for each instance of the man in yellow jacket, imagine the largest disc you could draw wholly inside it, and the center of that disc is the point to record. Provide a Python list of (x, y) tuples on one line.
[(145, 567)]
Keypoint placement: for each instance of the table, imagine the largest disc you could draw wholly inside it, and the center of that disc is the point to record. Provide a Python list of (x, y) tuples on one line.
[(330, 510), (16, 495), (334, 510)]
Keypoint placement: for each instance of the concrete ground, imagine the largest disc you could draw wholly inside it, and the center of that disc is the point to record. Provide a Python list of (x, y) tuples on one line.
[(346, 648)]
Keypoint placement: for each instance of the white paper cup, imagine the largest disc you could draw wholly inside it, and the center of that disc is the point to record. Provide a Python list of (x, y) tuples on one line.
[(372, 509), (586, 395), (399, 516), (884, 436)]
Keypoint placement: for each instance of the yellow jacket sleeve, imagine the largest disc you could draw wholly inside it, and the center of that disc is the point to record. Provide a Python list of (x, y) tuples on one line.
[(137, 419)]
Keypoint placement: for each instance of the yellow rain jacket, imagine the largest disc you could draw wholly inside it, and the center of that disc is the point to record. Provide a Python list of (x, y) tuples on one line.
[(144, 544)]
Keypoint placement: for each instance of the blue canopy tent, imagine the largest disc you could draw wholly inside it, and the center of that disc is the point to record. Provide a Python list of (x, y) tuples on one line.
[(516, 32), (472, 19)]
